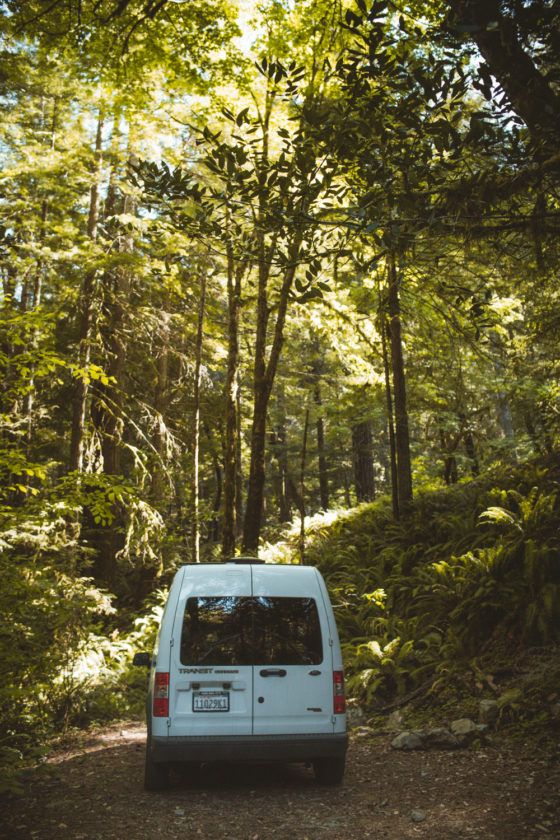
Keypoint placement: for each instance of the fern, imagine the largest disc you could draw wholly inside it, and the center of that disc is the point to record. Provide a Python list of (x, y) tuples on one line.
[(470, 565)]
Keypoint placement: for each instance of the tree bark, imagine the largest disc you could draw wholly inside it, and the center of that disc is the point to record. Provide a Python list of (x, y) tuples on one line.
[(402, 439), (448, 447), (320, 428), (79, 402), (362, 449), (108, 404), (234, 278), (253, 510), (302, 489), (279, 449), (346, 483), (263, 379), (102, 400), (9, 402), (117, 287), (390, 419), (469, 444), (238, 467), (38, 286), (505, 417), (196, 418), (160, 408), (529, 92), (214, 528)]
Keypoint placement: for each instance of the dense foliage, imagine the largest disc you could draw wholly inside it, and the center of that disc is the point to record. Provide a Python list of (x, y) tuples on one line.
[(258, 263), (472, 571)]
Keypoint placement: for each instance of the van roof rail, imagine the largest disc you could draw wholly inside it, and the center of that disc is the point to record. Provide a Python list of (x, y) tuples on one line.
[(244, 558)]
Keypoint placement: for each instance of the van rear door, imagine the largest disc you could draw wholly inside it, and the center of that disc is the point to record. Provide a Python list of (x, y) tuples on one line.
[(293, 666), (211, 678)]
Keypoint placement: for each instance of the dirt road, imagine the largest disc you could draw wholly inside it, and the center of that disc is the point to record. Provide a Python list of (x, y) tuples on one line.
[(92, 790)]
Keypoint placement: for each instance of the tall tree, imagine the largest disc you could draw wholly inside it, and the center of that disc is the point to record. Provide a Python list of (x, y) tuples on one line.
[(519, 44), (86, 308)]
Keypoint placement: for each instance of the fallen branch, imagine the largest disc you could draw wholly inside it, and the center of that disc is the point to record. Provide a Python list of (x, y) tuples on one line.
[(402, 701)]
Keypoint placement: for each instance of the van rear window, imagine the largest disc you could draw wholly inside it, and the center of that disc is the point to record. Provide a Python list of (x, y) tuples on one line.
[(251, 631)]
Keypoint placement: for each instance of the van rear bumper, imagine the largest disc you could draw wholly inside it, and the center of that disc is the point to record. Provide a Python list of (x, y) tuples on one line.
[(248, 748)]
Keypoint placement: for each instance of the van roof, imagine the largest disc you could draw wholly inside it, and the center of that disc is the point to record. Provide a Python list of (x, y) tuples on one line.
[(214, 579), (244, 558), (245, 561)]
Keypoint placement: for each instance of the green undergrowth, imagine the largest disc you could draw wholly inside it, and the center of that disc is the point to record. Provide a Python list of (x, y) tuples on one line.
[(428, 608), (65, 663), (457, 601)]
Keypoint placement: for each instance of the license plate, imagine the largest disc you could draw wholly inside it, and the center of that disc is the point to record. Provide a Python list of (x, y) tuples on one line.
[(210, 701)]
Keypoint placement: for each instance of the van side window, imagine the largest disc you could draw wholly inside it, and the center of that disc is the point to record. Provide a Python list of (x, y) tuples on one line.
[(228, 630), (287, 631), (217, 631)]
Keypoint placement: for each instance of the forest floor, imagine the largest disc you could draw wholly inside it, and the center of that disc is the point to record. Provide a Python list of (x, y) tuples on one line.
[(90, 788)]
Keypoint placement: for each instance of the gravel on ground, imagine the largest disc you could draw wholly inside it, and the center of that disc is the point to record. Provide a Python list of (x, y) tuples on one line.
[(90, 788)]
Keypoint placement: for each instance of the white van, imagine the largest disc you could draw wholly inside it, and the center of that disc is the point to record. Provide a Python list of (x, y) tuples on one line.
[(247, 667)]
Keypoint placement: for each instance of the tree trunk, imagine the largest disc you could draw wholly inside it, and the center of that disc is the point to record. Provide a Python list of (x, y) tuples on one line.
[(530, 93), (196, 418), (390, 419), (404, 471), (255, 489), (532, 432), (468, 440), (117, 293), (505, 418), (320, 428), (362, 449), (450, 475), (38, 286), (9, 402), (294, 493), (546, 427), (450, 470), (160, 409), (234, 277), (117, 285), (238, 467), (263, 379), (102, 403), (279, 448), (346, 481), (79, 401), (107, 409), (253, 511), (302, 490), (214, 529)]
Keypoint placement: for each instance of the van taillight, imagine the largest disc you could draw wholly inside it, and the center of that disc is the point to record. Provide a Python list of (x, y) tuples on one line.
[(161, 694), (338, 693)]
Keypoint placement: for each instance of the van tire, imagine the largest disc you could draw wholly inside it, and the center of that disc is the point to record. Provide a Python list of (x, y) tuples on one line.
[(329, 771), (156, 776)]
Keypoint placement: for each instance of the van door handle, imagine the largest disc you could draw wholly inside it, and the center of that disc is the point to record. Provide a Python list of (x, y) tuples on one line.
[(314, 673), (273, 672)]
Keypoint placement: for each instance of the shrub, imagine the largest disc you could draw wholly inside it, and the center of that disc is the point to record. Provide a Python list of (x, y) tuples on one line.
[(471, 566)]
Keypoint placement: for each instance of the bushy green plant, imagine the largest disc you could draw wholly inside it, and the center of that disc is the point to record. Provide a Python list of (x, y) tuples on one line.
[(62, 662), (107, 685), (48, 613), (469, 566)]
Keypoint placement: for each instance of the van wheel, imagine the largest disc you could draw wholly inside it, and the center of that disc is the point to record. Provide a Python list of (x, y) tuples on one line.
[(329, 771), (156, 776)]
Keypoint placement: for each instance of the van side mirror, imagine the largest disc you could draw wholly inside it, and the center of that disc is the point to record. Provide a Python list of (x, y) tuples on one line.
[(144, 660)]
